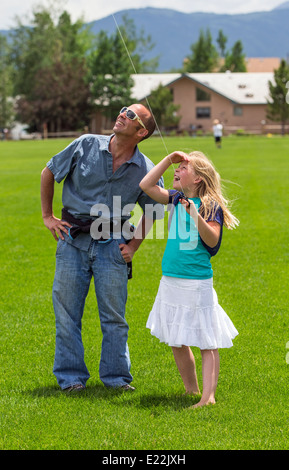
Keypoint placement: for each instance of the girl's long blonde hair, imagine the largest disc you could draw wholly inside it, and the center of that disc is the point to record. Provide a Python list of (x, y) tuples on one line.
[(209, 190)]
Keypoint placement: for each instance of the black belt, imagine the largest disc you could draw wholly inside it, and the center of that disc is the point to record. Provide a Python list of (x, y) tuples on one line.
[(80, 226)]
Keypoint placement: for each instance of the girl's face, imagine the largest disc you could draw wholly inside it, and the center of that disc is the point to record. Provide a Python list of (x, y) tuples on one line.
[(185, 179)]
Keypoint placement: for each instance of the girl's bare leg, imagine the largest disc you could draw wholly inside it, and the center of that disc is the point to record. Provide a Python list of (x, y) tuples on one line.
[(185, 362), (210, 370)]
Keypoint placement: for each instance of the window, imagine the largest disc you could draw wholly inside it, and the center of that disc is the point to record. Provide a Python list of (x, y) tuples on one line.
[(238, 111), (202, 95), (203, 113)]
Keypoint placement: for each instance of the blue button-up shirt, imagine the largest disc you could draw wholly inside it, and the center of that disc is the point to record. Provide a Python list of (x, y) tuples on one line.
[(86, 166)]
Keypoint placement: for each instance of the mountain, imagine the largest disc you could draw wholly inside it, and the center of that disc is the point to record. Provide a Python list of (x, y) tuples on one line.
[(263, 34), (283, 6)]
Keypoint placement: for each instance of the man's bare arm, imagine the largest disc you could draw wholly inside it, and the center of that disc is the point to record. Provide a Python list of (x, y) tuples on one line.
[(55, 225)]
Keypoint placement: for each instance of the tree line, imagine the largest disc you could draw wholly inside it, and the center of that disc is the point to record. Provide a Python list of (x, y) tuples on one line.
[(206, 57), (55, 73)]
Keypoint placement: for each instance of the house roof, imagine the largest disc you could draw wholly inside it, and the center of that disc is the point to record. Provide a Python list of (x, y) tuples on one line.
[(145, 83), (262, 64), (240, 88), (255, 64)]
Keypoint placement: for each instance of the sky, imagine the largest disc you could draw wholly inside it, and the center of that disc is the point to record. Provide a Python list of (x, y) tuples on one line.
[(91, 10)]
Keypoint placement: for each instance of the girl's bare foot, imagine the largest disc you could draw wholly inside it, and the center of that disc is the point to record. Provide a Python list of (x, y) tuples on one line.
[(203, 403)]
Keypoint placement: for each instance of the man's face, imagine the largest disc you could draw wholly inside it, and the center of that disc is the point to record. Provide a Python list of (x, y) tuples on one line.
[(129, 127)]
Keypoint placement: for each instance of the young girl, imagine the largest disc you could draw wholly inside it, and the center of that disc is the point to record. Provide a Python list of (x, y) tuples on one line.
[(186, 310)]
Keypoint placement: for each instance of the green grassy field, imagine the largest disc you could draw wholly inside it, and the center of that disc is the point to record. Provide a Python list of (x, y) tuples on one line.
[(251, 280)]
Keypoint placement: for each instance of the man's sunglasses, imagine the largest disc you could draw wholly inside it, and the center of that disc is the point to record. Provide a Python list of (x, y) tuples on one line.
[(130, 114)]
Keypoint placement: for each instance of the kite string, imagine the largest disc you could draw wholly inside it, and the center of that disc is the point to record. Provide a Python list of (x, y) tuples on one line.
[(136, 73), (147, 101)]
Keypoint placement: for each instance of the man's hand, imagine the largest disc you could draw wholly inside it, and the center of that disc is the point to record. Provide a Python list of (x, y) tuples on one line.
[(127, 251), (143, 227), (56, 226)]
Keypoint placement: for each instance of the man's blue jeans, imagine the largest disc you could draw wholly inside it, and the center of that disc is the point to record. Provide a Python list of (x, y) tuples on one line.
[(74, 270)]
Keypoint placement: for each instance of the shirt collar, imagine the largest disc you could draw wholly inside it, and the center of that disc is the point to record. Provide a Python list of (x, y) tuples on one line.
[(104, 142), (136, 158)]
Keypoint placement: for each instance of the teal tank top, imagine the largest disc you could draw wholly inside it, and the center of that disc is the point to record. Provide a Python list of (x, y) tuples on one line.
[(185, 255)]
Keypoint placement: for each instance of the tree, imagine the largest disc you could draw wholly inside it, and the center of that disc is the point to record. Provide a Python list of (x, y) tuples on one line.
[(163, 108), (110, 74), (277, 106), (138, 46), (74, 39), (59, 100), (50, 71), (235, 60), (32, 48), (204, 57), (6, 103), (47, 41), (114, 59), (222, 41)]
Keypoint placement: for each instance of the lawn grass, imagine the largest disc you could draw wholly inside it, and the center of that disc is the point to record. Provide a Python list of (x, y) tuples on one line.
[(250, 277)]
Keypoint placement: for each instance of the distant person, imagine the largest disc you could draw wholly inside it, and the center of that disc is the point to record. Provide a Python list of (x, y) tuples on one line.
[(186, 311), (218, 132), (95, 170)]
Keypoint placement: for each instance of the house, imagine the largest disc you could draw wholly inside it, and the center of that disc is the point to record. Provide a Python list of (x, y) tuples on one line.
[(255, 64), (262, 64), (238, 100)]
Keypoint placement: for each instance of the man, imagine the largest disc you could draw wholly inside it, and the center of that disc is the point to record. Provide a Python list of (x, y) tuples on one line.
[(97, 169)]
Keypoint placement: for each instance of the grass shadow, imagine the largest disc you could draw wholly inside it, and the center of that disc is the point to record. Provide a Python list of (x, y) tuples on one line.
[(165, 401), (92, 391), (157, 403)]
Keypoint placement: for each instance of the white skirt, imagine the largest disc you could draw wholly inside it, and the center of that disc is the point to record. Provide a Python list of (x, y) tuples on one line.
[(186, 312)]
